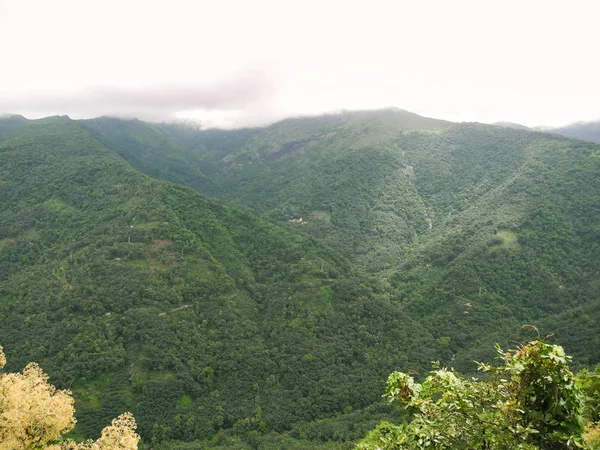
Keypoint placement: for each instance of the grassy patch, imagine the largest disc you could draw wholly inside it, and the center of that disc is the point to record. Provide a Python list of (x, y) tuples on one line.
[(91, 394), (161, 376), (139, 263), (320, 216), (503, 239), (150, 225), (328, 293), (55, 204), (6, 242), (31, 234), (185, 401)]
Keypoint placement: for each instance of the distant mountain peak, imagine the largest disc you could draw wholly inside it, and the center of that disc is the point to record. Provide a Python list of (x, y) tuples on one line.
[(12, 117), (587, 131)]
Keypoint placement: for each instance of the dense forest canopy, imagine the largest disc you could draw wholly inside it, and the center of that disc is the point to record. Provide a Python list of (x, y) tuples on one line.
[(164, 270), (441, 214)]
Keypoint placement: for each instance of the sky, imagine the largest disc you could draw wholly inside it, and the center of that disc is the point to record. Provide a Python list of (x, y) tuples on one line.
[(233, 63)]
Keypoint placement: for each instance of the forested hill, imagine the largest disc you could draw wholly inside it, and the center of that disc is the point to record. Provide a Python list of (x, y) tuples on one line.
[(197, 316), (420, 240), (443, 214), (151, 151), (343, 174), (588, 131)]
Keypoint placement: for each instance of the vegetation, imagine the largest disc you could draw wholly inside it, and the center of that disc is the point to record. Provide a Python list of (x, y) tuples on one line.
[(588, 131), (441, 215), (34, 415), (150, 151), (531, 401), (221, 326), (197, 316), (343, 174)]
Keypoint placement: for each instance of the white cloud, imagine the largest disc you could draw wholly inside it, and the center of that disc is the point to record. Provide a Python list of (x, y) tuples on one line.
[(238, 62)]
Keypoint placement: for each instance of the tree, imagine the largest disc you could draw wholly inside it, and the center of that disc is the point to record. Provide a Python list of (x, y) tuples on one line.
[(589, 381), (35, 415), (531, 401)]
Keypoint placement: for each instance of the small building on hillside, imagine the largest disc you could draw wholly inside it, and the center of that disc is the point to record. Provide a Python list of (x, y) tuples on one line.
[(300, 220)]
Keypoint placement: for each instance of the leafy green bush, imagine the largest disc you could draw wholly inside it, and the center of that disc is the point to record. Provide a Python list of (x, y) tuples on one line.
[(531, 401)]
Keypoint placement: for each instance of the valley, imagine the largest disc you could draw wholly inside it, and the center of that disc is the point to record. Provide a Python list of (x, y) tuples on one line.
[(254, 288)]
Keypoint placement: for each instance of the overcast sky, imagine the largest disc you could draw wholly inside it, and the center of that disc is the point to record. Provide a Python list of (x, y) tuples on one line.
[(246, 62)]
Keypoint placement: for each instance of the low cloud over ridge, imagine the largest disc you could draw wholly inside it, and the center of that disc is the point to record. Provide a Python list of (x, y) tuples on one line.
[(151, 101), (236, 63)]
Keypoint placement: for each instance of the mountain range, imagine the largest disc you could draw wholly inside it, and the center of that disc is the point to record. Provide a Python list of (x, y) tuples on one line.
[(253, 288), (588, 131)]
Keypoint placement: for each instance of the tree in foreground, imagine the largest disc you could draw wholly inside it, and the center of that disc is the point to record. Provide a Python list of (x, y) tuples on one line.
[(530, 401), (35, 415)]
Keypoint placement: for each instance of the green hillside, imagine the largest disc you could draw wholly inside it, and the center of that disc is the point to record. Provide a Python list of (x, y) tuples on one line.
[(206, 147), (588, 131), (443, 215), (197, 316), (342, 174), (228, 322), (517, 126), (515, 236), (149, 150)]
